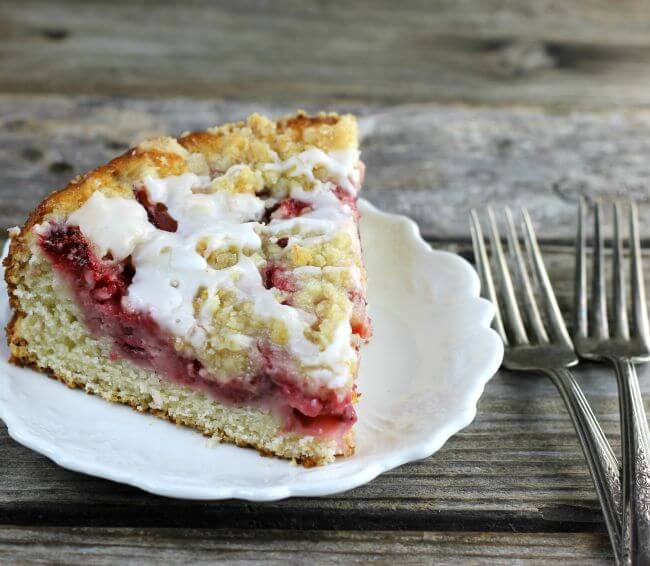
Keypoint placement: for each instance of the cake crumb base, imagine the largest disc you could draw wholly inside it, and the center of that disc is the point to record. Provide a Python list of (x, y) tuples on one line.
[(217, 434)]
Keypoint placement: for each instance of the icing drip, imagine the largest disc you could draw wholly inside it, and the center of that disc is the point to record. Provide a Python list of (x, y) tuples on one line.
[(96, 219), (340, 166)]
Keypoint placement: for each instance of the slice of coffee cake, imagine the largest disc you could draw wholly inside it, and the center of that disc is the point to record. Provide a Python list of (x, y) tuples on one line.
[(215, 280)]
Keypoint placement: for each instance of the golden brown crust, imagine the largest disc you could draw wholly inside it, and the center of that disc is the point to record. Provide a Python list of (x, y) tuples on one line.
[(162, 157), (114, 178), (18, 352), (301, 121), (200, 142), (167, 156)]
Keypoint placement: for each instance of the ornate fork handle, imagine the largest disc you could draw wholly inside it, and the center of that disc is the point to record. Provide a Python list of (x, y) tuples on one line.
[(636, 464), (601, 460)]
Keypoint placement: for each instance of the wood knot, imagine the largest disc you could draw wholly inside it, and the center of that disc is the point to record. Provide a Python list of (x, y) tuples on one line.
[(520, 58), (60, 167), (55, 34)]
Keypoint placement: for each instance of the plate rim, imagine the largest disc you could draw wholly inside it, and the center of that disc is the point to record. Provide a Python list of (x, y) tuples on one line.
[(463, 417)]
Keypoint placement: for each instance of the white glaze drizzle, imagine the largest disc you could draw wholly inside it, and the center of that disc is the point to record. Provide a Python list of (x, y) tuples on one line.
[(340, 166), (170, 272), (112, 224)]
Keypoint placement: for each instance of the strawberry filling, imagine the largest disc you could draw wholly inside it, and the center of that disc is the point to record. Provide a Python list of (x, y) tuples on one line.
[(99, 286), (156, 212), (346, 198), (289, 208), (277, 276)]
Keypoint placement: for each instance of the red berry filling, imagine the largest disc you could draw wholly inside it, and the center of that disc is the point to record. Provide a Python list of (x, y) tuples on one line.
[(346, 198), (99, 286), (290, 208), (157, 212), (362, 329), (277, 276)]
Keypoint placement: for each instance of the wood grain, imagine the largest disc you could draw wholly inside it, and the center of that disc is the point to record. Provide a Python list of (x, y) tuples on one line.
[(589, 53), (430, 162), (518, 467), (203, 546), (80, 81)]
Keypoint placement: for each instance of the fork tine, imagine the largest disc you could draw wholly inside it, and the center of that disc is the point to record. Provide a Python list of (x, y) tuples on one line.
[(513, 316), (530, 305), (598, 321), (639, 309), (620, 303), (580, 293), (553, 314), (485, 273)]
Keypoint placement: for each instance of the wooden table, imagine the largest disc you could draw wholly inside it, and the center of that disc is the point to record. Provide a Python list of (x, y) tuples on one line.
[(460, 105)]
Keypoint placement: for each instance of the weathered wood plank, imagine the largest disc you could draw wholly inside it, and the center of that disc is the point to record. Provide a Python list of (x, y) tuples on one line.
[(519, 463), (517, 466), (430, 162), (203, 546), (589, 53)]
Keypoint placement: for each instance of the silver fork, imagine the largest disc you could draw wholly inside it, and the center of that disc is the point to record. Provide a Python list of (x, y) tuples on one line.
[(622, 347), (539, 342)]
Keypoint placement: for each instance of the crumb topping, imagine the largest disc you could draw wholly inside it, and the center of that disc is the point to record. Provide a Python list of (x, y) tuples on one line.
[(251, 244)]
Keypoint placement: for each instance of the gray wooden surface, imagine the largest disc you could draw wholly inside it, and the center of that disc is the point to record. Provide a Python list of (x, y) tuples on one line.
[(279, 547), (461, 104), (430, 162), (591, 53), (517, 469)]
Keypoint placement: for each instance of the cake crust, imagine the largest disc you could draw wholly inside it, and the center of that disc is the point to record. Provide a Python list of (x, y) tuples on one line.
[(167, 156), (163, 157)]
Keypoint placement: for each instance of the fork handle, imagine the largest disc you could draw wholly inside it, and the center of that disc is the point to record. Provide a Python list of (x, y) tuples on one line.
[(600, 457), (636, 465)]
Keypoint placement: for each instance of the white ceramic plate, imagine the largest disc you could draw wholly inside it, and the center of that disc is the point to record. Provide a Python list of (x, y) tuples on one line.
[(421, 377)]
